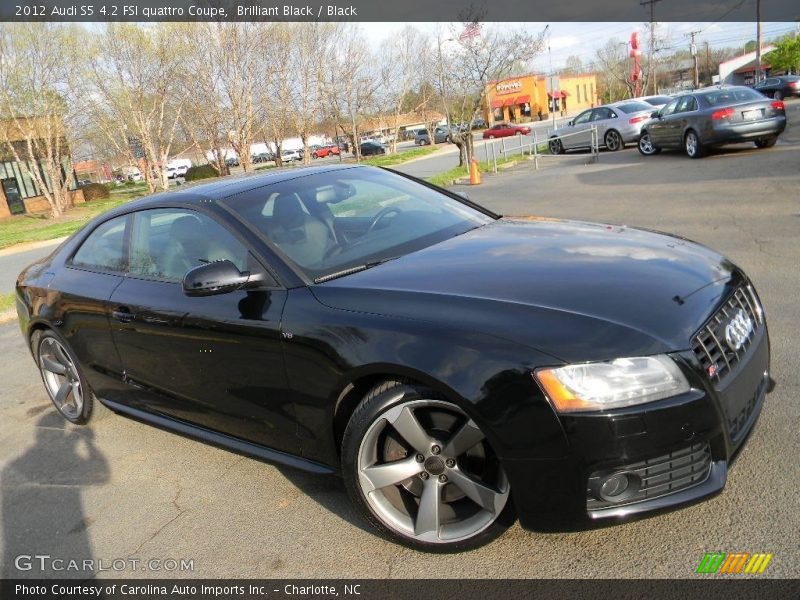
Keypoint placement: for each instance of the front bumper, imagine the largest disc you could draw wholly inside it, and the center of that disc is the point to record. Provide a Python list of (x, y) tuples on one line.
[(557, 494)]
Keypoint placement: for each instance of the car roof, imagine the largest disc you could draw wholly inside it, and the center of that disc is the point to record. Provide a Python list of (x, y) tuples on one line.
[(226, 187)]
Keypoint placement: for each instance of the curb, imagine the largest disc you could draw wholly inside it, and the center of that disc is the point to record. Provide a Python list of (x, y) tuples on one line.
[(25, 246)]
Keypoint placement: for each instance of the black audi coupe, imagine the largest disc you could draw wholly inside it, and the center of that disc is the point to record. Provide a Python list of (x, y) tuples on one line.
[(458, 369)]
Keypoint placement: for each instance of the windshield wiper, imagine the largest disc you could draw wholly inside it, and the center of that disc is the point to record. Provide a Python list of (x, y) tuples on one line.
[(351, 270)]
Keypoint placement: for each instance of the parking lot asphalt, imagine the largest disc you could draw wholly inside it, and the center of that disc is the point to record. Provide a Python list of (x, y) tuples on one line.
[(118, 489)]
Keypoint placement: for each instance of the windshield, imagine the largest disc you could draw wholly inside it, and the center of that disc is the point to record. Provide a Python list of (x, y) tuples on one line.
[(330, 222)]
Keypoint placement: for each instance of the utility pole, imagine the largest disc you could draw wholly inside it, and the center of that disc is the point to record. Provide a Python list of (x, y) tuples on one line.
[(693, 49), (708, 65), (651, 60), (757, 77)]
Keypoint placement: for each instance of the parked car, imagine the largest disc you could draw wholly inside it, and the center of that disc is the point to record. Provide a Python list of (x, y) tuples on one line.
[(779, 87), (84, 182), (180, 170), (232, 161), (419, 352), (372, 148), (440, 136), (499, 130), (329, 150), (291, 155), (617, 124), (714, 117), (170, 172), (262, 157), (479, 123)]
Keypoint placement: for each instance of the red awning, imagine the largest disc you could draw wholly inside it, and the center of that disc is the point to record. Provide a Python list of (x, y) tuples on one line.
[(522, 99), (564, 93), (555, 94), (509, 101)]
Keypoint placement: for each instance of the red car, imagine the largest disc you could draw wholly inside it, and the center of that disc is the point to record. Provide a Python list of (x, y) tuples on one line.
[(331, 149), (499, 130)]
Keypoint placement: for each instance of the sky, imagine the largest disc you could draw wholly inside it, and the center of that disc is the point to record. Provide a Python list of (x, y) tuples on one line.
[(584, 39)]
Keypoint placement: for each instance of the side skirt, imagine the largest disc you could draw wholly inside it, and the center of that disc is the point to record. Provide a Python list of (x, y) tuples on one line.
[(220, 439)]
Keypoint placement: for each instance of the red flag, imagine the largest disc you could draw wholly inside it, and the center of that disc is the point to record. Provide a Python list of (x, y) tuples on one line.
[(471, 30)]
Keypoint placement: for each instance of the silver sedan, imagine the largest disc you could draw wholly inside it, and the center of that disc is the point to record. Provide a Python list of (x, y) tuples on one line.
[(617, 124)]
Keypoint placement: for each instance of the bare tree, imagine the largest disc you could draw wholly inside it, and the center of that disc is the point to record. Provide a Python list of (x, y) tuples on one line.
[(313, 44), (276, 95), (204, 117), (465, 64), (399, 71), (613, 67), (36, 64), (138, 100), (351, 84)]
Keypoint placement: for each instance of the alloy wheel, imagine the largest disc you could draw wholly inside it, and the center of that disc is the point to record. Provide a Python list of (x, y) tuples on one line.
[(61, 378), (692, 144), (646, 146), (613, 141), (427, 473)]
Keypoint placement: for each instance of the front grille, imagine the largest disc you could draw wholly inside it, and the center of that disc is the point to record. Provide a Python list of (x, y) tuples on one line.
[(737, 423), (716, 357), (657, 476)]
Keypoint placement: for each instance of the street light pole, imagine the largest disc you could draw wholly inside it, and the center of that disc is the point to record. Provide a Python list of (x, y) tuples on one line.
[(552, 91)]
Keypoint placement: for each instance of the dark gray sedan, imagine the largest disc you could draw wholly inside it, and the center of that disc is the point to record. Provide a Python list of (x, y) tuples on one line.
[(714, 117)]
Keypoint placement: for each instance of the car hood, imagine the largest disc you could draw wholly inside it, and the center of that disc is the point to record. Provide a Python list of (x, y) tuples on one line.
[(577, 291)]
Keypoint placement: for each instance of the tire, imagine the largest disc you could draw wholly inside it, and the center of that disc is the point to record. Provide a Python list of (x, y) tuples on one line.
[(692, 145), (556, 147), (445, 457), (645, 145), (613, 141), (61, 373), (778, 95), (768, 142)]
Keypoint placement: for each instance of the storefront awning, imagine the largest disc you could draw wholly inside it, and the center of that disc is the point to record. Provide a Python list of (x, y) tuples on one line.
[(564, 93), (522, 99), (497, 103), (509, 101), (555, 94)]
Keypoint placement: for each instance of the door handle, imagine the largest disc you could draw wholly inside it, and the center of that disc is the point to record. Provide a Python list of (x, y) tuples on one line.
[(123, 314)]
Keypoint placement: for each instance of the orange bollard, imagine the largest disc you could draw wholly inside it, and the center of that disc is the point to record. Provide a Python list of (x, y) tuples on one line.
[(474, 173)]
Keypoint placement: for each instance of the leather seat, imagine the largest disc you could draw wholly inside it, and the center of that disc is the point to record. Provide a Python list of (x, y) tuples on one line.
[(304, 238)]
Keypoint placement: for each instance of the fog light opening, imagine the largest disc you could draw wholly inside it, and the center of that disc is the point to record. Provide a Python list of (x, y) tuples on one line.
[(618, 486)]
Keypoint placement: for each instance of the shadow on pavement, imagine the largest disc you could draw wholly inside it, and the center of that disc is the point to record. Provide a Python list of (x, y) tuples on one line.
[(42, 509)]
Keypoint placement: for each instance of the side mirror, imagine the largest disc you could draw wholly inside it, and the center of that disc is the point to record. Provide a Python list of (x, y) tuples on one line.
[(656, 114), (219, 277)]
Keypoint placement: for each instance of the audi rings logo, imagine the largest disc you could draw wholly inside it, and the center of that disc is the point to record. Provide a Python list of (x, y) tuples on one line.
[(738, 330)]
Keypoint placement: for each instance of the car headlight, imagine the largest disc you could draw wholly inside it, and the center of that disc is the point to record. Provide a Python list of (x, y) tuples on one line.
[(604, 385)]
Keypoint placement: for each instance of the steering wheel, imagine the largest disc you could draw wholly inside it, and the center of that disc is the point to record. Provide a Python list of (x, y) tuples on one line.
[(383, 213)]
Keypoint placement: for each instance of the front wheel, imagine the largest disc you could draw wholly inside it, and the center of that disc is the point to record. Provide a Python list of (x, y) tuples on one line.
[(613, 141), (768, 142), (692, 145), (646, 146), (422, 472), (62, 377)]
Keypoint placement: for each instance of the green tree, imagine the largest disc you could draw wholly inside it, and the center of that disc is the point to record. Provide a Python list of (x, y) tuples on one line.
[(786, 56)]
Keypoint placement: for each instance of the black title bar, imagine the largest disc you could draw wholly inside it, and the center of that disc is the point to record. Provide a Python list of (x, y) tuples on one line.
[(399, 11)]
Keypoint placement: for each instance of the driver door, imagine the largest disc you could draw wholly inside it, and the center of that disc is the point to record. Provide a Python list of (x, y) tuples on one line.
[(659, 127), (580, 135)]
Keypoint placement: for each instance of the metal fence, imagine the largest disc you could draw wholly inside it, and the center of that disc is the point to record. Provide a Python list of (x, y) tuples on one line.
[(529, 145)]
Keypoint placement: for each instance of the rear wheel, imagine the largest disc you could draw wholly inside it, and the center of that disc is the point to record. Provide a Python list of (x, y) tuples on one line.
[(646, 146), (768, 142), (613, 140), (556, 147), (62, 377), (422, 472), (692, 145)]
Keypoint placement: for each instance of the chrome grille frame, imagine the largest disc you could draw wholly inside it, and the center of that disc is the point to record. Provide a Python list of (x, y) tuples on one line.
[(708, 344)]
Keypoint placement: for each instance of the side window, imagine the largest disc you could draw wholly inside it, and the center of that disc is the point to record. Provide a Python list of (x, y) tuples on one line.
[(583, 117), (600, 114), (104, 249), (166, 243), (686, 104), (670, 108)]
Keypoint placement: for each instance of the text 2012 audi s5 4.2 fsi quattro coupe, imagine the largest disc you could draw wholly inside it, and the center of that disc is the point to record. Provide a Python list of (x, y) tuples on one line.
[(458, 369)]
